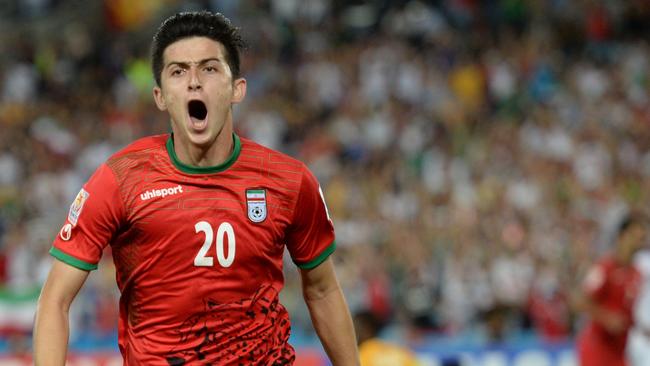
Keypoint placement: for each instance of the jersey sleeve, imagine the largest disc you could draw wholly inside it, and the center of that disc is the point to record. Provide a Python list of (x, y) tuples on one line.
[(94, 217), (310, 239)]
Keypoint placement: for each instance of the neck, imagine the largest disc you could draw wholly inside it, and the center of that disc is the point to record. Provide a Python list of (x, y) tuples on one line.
[(211, 154)]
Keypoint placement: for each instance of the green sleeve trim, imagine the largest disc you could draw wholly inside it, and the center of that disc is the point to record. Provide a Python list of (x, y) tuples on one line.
[(204, 169), (320, 259), (67, 258)]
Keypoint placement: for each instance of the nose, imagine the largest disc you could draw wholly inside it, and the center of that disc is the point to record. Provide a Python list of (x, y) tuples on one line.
[(195, 82)]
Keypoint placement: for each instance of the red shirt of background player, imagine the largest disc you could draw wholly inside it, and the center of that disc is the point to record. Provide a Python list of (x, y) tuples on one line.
[(612, 286)]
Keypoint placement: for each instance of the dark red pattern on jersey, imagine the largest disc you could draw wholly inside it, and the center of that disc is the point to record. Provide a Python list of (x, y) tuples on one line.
[(214, 336)]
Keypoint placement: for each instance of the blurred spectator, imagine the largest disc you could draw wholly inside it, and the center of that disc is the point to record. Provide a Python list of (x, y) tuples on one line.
[(638, 348), (375, 352)]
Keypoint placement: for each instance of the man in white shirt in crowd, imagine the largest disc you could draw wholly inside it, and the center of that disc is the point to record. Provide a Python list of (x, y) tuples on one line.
[(638, 348)]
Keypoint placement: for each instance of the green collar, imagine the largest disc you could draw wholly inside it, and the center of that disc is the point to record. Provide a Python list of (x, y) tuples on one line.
[(203, 169)]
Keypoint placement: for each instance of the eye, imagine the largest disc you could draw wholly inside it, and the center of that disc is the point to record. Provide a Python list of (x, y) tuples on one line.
[(210, 69), (177, 72)]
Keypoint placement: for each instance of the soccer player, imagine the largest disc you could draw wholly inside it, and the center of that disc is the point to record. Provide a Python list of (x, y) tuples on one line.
[(197, 221), (610, 290)]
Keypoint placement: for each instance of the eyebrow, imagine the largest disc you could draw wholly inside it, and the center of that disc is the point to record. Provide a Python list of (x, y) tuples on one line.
[(188, 63)]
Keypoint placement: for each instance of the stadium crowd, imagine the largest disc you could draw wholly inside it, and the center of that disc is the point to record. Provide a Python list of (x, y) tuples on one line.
[(475, 155)]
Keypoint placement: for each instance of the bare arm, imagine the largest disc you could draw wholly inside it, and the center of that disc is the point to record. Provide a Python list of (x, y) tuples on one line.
[(51, 324), (329, 314)]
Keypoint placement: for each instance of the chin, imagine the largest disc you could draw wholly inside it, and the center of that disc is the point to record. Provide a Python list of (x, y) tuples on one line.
[(204, 140)]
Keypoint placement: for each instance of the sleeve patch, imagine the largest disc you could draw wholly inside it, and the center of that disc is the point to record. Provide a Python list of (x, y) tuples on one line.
[(76, 206)]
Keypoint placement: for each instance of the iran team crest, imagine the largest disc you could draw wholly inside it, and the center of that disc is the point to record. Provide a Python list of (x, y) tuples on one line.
[(256, 204)]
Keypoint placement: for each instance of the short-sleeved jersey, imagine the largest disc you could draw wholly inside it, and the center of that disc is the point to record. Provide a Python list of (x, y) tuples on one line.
[(614, 287), (198, 251)]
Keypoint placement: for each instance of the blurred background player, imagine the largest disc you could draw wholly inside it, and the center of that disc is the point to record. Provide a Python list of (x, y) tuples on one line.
[(610, 290)]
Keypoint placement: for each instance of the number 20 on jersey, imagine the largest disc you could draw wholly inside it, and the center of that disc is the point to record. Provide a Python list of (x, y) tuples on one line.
[(203, 259)]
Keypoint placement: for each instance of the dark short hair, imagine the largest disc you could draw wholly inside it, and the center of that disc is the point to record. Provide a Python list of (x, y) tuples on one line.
[(197, 24), (368, 320)]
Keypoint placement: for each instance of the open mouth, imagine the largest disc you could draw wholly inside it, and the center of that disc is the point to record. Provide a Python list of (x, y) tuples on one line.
[(197, 110)]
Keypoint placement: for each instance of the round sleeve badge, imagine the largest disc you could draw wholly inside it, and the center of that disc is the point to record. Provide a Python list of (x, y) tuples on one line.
[(66, 232)]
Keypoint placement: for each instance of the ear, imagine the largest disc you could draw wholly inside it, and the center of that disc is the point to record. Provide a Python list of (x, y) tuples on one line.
[(238, 90), (159, 99)]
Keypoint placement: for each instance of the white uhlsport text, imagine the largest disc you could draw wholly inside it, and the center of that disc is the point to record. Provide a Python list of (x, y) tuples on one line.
[(163, 192)]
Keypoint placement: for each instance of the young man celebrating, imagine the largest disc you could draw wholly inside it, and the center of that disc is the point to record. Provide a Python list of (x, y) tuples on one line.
[(610, 290), (197, 222)]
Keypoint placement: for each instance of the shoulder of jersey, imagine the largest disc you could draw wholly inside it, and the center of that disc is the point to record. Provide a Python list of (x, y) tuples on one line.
[(145, 143), (252, 148)]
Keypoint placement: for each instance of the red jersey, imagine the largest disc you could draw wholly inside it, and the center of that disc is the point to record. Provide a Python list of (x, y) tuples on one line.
[(614, 287), (550, 314), (198, 250)]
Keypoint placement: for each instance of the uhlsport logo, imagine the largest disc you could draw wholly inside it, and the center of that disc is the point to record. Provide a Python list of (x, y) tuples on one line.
[(256, 204), (66, 232), (163, 192)]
